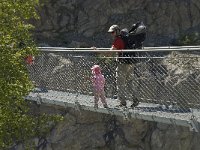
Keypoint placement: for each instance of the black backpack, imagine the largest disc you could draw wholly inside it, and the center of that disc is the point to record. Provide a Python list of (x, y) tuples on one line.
[(133, 39)]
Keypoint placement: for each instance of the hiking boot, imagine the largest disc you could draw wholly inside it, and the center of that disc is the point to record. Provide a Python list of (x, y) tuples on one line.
[(105, 105), (122, 104), (96, 106), (135, 103)]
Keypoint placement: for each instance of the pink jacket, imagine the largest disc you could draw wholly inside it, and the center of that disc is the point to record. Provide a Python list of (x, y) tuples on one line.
[(98, 81)]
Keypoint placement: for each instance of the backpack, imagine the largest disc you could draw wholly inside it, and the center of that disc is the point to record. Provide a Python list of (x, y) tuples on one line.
[(133, 39)]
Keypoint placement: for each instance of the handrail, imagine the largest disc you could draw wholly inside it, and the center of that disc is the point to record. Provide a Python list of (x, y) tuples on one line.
[(155, 47), (145, 49), (172, 47)]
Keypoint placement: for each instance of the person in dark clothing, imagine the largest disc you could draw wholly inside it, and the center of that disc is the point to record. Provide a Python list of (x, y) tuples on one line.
[(123, 71)]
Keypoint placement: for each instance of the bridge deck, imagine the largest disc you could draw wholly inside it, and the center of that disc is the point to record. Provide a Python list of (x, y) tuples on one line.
[(150, 112)]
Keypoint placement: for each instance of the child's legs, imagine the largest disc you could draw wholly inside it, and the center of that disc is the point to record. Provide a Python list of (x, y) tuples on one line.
[(103, 97), (96, 97)]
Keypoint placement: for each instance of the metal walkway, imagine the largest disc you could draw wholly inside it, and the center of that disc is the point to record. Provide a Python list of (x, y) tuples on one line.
[(145, 111), (166, 81)]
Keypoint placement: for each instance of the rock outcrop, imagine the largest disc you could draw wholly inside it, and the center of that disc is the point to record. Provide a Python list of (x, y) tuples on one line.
[(77, 23), (84, 130)]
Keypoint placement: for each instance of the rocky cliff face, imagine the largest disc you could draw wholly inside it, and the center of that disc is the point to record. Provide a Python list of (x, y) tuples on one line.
[(84, 130), (78, 23)]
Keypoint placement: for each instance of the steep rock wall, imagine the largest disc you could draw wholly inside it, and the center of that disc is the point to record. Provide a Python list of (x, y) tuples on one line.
[(78, 23), (85, 130)]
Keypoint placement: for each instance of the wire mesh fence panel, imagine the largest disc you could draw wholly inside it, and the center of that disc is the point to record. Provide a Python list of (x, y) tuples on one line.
[(170, 79)]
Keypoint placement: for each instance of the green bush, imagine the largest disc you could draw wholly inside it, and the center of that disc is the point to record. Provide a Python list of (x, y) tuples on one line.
[(16, 43), (189, 39)]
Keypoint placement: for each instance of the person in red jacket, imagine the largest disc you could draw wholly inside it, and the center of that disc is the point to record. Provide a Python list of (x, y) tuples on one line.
[(118, 43), (30, 59), (123, 70)]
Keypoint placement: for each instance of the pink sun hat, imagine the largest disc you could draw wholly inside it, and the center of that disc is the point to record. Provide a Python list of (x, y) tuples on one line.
[(96, 69)]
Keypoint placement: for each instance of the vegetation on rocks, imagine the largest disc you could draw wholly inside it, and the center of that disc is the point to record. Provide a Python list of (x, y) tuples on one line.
[(188, 39)]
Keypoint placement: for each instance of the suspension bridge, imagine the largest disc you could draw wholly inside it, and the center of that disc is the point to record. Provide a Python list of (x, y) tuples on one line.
[(165, 80)]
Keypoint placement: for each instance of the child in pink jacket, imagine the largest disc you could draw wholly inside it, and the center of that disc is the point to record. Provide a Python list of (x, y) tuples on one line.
[(98, 82)]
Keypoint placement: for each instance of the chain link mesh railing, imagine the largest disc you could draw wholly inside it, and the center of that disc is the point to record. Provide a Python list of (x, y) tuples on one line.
[(161, 79)]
